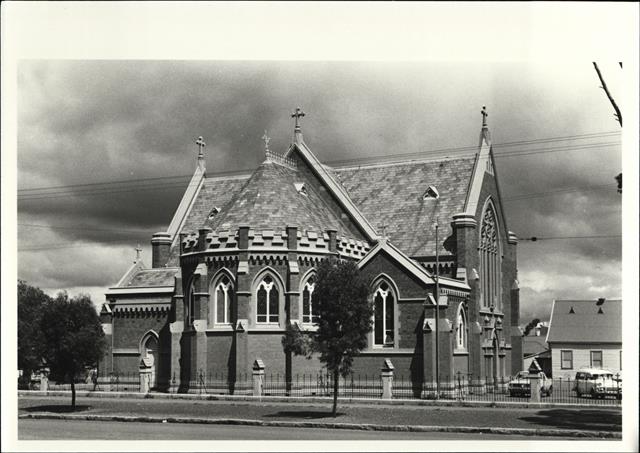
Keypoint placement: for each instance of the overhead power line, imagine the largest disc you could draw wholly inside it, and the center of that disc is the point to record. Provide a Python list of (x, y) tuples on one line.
[(548, 238), (81, 228), (528, 196), (173, 185), (137, 181)]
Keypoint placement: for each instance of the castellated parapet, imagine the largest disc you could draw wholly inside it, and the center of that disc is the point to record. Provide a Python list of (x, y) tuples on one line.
[(272, 240)]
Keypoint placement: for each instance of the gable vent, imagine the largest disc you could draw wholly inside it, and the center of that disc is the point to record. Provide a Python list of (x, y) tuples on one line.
[(301, 188), (213, 212), (571, 311), (431, 192)]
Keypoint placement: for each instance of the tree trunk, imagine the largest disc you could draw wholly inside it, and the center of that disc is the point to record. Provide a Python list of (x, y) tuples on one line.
[(336, 382), (73, 395)]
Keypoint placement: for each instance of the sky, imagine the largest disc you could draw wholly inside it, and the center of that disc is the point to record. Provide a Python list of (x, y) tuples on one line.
[(93, 122)]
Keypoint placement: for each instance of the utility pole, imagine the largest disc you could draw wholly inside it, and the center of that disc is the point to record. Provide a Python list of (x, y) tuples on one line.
[(437, 322)]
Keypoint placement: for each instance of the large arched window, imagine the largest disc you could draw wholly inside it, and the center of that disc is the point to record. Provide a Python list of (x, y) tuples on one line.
[(490, 258), (308, 315), (268, 298), (222, 300), (384, 315), (461, 333)]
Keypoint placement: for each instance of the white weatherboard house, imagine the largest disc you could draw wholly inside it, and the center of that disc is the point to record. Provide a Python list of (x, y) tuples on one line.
[(585, 334)]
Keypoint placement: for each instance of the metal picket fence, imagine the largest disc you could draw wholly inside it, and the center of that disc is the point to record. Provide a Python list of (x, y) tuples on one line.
[(460, 387), (352, 386)]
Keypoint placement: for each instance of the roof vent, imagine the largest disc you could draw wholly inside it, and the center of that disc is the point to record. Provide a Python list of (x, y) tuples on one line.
[(301, 188), (431, 192), (571, 311), (213, 212)]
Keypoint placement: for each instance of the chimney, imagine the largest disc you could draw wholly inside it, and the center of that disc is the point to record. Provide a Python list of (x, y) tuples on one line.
[(160, 246)]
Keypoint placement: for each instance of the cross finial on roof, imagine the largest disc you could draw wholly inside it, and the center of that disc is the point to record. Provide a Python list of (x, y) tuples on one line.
[(297, 115), (138, 250), (266, 139), (201, 144), (484, 116)]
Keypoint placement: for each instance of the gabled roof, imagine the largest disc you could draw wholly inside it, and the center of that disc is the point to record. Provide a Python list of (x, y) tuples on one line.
[(140, 280), (270, 199), (410, 265), (578, 321), (328, 178), (392, 194)]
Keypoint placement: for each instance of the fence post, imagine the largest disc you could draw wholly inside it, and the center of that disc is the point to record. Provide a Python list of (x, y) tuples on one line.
[(44, 382), (534, 386), (258, 377), (387, 379)]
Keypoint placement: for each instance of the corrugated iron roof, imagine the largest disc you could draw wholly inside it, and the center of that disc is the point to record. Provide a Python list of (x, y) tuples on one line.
[(579, 321)]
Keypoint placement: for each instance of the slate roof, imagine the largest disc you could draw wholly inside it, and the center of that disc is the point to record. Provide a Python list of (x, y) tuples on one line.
[(393, 194), (152, 277), (269, 199), (585, 325), (215, 192)]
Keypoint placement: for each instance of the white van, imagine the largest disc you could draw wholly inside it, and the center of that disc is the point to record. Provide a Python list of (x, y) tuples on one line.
[(597, 383)]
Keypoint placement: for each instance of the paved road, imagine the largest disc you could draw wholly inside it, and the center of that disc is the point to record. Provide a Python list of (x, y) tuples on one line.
[(88, 430)]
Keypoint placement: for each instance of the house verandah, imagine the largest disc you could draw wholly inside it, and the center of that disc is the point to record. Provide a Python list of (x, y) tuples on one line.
[(236, 266)]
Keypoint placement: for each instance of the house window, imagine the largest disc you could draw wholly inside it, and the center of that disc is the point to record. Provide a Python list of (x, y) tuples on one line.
[(222, 300), (596, 359), (566, 360), (383, 315), (268, 301), (308, 315), (490, 259), (461, 334)]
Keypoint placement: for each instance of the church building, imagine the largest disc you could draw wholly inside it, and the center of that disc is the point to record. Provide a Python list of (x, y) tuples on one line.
[(237, 264)]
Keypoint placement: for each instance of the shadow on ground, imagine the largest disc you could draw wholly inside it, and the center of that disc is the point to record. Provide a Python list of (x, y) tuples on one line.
[(56, 409), (583, 419), (307, 415)]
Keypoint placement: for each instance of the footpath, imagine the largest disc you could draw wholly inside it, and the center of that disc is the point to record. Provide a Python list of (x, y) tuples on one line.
[(576, 422)]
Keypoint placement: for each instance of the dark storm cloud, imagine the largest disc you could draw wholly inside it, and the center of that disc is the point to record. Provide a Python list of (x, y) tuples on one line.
[(97, 121)]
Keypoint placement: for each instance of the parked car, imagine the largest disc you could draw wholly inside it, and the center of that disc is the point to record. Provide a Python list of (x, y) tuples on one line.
[(597, 383), (520, 385)]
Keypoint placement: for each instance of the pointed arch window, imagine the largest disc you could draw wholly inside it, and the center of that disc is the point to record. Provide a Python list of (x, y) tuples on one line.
[(461, 334), (190, 306), (384, 301), (268, 298), (222, 300), (490, 258), (308, 315)]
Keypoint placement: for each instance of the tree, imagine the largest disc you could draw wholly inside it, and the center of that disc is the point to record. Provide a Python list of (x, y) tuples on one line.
[(345, 317), (73, 338), (31, 302), (533, 323)]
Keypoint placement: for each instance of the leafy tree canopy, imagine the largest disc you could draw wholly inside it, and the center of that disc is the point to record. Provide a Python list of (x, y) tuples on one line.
[(345, 317), (345, 314), (31, 302), (534, 322), (72, 337)]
